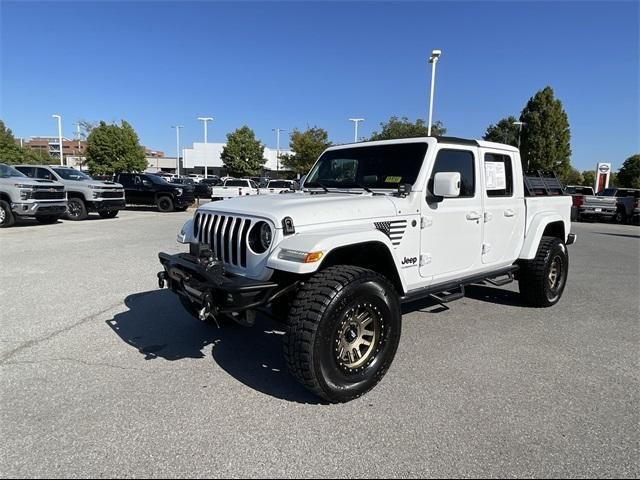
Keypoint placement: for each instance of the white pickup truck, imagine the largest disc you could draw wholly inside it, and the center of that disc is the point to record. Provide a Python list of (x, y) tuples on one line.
[(377, 224), (234, 187), (279, 186)]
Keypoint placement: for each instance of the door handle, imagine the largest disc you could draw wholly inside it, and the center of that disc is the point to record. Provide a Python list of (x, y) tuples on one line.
[(509, 213), (473, 216)]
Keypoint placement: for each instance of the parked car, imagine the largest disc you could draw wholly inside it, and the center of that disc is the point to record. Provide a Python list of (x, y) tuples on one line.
[(260, 181), (21, 196), (212, 181), (279, 186), (234, 187), (597, 207), (200, 189), (196, 177), (380, 224), (578, 194), (146, 189), (626, 203), (84, 194)]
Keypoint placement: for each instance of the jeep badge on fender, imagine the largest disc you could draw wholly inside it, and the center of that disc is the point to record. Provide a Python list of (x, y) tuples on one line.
[(339, 273)]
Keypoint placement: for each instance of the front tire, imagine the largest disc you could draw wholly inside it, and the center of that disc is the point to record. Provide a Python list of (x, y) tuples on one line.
[(344, 331), (165, 204), (620, 217), (76, 209), (542, 280), (6, 215)]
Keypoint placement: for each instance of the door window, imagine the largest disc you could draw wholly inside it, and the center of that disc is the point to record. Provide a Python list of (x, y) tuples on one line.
[(498, 173), (44, 174), (461, 161)]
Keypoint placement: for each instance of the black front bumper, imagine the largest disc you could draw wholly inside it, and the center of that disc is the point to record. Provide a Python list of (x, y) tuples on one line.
[(107, 205), (203, 281)]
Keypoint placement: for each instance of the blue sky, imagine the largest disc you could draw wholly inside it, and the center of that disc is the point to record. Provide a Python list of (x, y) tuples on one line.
[(299, 64)]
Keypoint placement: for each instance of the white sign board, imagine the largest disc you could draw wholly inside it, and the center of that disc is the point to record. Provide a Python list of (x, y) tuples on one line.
[(495, 176)]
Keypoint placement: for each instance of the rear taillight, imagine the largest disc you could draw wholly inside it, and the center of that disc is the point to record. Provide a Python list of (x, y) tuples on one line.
[(578, 200)]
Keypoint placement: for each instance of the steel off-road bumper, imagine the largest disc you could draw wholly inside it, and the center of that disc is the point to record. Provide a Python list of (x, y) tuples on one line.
[(196, 276)]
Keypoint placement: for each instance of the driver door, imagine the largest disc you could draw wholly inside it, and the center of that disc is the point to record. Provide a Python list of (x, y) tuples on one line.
[(451, 241)]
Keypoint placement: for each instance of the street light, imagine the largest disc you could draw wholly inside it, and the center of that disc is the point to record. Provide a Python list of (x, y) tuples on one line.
[(355, 125), (59, 135), (205, 120), (519, 131), (433, 60), (278, 131), (177, 127)]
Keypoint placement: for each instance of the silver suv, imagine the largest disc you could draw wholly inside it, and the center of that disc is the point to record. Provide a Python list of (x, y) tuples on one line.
[(20, 196), (85, 194)]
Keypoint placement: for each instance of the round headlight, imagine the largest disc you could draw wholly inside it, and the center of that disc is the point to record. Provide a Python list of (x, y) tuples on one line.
[(260, 237)]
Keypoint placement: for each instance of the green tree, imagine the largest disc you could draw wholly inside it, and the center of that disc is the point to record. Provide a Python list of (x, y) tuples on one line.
[(505, 131), (546, 135), (10, 151), (243, 155), (629, 174), (589, 178), (307, 147), (113, 148), (403, 128), (572, 177)]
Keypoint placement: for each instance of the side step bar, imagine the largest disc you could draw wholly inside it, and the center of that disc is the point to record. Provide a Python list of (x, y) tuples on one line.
[(450, 291)]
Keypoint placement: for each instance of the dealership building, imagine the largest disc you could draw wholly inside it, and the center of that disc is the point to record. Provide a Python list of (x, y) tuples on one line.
[(209, 154)]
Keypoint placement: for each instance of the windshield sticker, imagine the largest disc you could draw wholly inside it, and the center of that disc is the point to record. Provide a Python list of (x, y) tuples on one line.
[(393, 180), (495, 175)]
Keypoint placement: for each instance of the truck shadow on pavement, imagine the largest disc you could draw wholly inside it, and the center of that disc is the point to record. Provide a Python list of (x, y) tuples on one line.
[(157, 326)]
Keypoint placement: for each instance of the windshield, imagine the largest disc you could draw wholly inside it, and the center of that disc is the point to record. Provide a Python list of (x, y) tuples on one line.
[(157, 180), (71, 174), (236, 183), (378, 166), (6, 171), (279, 184)]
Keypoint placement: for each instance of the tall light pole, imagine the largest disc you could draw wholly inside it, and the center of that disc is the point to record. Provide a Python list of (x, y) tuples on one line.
[(178, 127), (59, 135), (355, 126), (278, 131), (433, 60), (205, 120), (520, 124)]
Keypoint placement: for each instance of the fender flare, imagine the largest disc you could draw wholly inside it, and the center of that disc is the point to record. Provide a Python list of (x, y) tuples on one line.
[(314, 242), (535, 232)]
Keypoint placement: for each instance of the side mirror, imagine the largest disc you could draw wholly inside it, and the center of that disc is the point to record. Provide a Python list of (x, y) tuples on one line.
[(447, 184)]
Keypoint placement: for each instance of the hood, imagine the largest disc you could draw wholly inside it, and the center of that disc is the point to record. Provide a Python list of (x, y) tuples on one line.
[(184, 186), (306, 208), (105, 184), (36, 182)]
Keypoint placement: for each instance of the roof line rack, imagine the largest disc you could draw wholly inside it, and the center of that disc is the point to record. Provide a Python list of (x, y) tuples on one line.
[(457, 141)]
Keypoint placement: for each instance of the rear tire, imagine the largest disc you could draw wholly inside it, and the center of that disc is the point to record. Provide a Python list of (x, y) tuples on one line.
[(621, 217), (165, 204), (344, 331), (109, 214), (76, 209), (7, 218), (542, 280), (47, 219)]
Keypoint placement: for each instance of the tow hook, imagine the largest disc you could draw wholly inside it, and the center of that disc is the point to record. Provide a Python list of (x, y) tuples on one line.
[(162, 277)]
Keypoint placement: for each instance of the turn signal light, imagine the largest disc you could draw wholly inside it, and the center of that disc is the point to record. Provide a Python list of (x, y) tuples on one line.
[(312, 257)]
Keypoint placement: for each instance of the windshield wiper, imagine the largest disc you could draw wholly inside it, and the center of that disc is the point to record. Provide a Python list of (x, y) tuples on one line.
[(367, 189), (321, 185)]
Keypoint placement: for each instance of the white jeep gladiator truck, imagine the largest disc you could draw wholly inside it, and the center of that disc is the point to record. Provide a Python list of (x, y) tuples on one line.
[(234, 187), (84, 193), (377, 224), (21, 196)]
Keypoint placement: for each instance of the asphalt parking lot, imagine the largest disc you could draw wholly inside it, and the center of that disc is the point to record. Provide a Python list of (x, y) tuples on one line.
[(103, 375)]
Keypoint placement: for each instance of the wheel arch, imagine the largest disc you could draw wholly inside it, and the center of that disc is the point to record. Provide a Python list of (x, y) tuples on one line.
[(550, 225)]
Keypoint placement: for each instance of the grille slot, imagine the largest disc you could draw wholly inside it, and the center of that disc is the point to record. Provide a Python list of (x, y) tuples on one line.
[(226, 235)]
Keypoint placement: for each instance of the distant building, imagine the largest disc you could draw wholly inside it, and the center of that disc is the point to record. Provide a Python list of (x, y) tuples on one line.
[(74, 151), (209, 154)]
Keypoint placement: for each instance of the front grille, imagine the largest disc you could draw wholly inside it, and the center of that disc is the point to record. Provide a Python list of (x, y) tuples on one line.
[(111, 194), (225, 234), (47, 195)]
